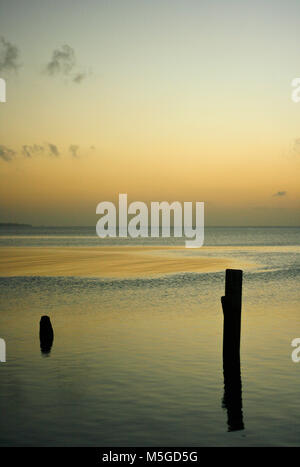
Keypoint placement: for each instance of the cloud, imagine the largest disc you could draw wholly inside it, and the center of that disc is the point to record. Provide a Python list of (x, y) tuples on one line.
[(280, 193), (33, 150), (29, 151), (49, 149), (9, 54), (62, 62), (53, 150), (296, 147), (6, 153), (79, 77), (74, 150)]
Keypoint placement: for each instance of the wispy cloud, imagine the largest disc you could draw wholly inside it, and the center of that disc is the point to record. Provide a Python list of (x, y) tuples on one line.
[(47, 149), (9, 54), (73, 148), (280, 193), (6, 154), (53, 150), (63, 62), (296, 146), (29, 151), (79, 77)]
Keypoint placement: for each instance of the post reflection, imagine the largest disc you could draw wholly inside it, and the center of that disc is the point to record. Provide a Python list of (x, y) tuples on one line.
[(232, 399)]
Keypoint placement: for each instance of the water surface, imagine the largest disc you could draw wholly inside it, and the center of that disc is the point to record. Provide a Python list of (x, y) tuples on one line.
[(138, 361)]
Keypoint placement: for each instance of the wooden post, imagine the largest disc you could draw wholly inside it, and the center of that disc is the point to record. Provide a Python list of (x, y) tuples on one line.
[(232, 307), (46, 334)]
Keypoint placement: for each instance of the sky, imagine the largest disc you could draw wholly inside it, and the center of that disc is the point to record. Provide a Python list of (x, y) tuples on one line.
[(164, 100)]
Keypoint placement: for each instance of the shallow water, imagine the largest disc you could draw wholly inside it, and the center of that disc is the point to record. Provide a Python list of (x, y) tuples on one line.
[(138, 362)]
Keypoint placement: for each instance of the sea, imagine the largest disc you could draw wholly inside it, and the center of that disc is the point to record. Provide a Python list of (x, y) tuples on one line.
[(137, 361)]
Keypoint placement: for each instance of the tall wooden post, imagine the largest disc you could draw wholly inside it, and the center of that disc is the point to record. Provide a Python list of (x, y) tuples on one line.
[(232, 307)]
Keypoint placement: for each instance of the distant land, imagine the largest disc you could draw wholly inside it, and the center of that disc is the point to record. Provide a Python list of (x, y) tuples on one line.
[(12, 224), (17, 225)]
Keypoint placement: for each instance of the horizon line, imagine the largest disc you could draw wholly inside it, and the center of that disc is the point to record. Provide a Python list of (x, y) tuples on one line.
[(22, 224)]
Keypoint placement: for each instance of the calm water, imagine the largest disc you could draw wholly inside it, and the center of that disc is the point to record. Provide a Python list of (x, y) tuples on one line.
[(139, 361)]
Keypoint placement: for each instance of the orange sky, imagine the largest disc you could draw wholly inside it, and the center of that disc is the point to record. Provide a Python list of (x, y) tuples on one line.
[(178, 101)]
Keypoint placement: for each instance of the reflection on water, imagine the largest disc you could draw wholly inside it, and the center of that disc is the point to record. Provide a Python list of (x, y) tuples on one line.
[(46, 346), (232, 399)]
